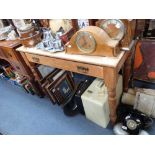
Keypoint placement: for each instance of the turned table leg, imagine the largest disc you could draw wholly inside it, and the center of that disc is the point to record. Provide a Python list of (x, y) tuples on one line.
[(110, 78), (112, 104), (126, 73)]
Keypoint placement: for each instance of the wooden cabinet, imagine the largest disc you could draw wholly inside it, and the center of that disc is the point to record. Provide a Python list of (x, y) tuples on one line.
[(8, 52)]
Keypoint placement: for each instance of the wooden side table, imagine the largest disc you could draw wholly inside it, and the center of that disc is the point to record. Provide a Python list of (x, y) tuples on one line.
[(106, 68), (8, 52)]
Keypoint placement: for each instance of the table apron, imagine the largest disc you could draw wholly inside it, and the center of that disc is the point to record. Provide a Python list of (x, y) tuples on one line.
[(73, 66)]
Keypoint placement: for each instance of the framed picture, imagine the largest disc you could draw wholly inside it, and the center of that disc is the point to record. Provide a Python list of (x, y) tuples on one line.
[(60, 87)]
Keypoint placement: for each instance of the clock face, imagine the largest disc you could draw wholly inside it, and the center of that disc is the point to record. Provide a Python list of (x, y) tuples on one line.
[(85, 42), (114, 28)]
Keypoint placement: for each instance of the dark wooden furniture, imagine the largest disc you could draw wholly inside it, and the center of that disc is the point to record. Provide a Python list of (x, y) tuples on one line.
[(8, 52)]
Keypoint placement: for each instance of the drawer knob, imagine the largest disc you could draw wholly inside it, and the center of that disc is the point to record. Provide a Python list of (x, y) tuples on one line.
[(35, 59), (83, 69)]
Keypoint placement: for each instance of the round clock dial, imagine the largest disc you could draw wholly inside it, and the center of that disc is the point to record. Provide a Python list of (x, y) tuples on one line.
[(114, 28), (85, 42)]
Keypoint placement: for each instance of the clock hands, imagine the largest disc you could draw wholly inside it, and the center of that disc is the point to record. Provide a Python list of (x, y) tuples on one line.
[(84, 41), (114, 28)]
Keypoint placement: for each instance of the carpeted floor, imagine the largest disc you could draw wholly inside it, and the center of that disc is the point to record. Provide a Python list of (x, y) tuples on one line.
[(21, 113)]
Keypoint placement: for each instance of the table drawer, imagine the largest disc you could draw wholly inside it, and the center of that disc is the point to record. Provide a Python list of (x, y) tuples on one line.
[(72, 66)]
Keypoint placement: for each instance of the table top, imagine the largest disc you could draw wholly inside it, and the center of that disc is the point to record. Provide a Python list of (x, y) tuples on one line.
[(96, 60), (10, 43)]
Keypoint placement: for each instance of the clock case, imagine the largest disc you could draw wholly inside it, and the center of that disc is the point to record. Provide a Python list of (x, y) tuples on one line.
[(105, 46), (130, 26)]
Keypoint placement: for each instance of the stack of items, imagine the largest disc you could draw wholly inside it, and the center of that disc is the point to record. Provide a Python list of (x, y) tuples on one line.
[(136, 113), (141, 99), (50, 42), (24, 83), (37, 33), (58, 85), (54, 42), (56, 33), (7, 73), (91, 99)]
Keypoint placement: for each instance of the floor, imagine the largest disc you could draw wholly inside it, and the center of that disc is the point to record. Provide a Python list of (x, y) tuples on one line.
[(22, 114)]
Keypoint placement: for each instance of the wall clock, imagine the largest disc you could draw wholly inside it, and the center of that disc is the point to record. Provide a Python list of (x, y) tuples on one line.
[(92, 40)]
